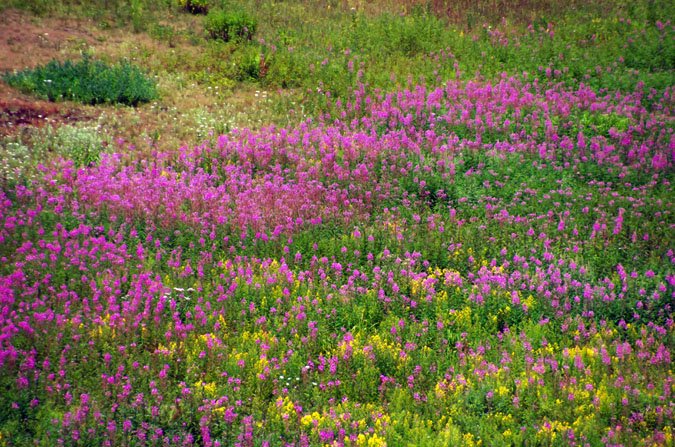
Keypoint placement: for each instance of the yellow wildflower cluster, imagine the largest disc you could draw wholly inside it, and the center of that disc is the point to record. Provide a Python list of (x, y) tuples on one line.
[(372, 440), (208, 389), (550, 430), (314, 419)]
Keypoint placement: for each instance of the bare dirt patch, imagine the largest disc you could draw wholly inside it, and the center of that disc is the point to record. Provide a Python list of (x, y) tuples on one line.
[(18, 111), (27, 41)]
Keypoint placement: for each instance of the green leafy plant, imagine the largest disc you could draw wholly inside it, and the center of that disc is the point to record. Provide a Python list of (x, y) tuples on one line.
[(195, 6), (247, 59), (231, 24), (391, 33), (286, 69), (164, 32), (86, 81), (81, 143), (137, 15), (16, 157)]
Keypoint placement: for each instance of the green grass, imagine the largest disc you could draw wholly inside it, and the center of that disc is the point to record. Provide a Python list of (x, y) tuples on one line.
[(332, 47)]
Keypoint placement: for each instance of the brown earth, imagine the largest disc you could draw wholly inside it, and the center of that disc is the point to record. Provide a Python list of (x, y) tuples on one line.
[(18, 111), (28, 41)]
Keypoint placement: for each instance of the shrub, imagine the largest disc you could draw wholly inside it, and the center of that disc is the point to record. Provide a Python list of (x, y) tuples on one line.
[(195, 6), (82, 144), (16, 157), (285, 69), (86, 81), (164, 32), (247, 59), (230, 25), (389, 33)]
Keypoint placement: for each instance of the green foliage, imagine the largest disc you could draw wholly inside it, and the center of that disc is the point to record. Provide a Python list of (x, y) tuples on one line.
[(230, 24), (195, 6), (81, 143), (164, 32), (614, 47), (285, 68), (390, 34), (591, 124), (608, 50), (246, 63), (86, 81), (224, 64), (16, 157), (137, 15)]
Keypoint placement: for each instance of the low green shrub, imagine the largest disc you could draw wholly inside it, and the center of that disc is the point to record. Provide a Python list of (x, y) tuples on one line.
[(393, 33), (285, 69), (231, 24), (86, 81), (16, 157), (195, 6), (164, 32), (247, 60), (80, 143)]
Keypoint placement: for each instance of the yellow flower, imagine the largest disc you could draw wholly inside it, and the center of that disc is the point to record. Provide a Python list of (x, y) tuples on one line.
[(502, 391), (468, 440), (370, 441)]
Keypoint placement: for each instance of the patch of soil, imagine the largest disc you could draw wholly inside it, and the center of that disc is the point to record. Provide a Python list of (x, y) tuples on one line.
[(27, 41), (18, 111)]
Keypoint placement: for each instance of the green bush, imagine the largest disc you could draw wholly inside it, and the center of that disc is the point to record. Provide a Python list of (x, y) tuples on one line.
[(392, 33), (196, 6), (86, 81), (247, 60), (82, 143), (233, 24), (285, 69)]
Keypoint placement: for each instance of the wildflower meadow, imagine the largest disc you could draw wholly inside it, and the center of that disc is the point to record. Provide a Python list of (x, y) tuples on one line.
[(465, 256)]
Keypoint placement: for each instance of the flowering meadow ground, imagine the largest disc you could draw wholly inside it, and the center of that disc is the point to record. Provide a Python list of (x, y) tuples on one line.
[(459, 262)]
